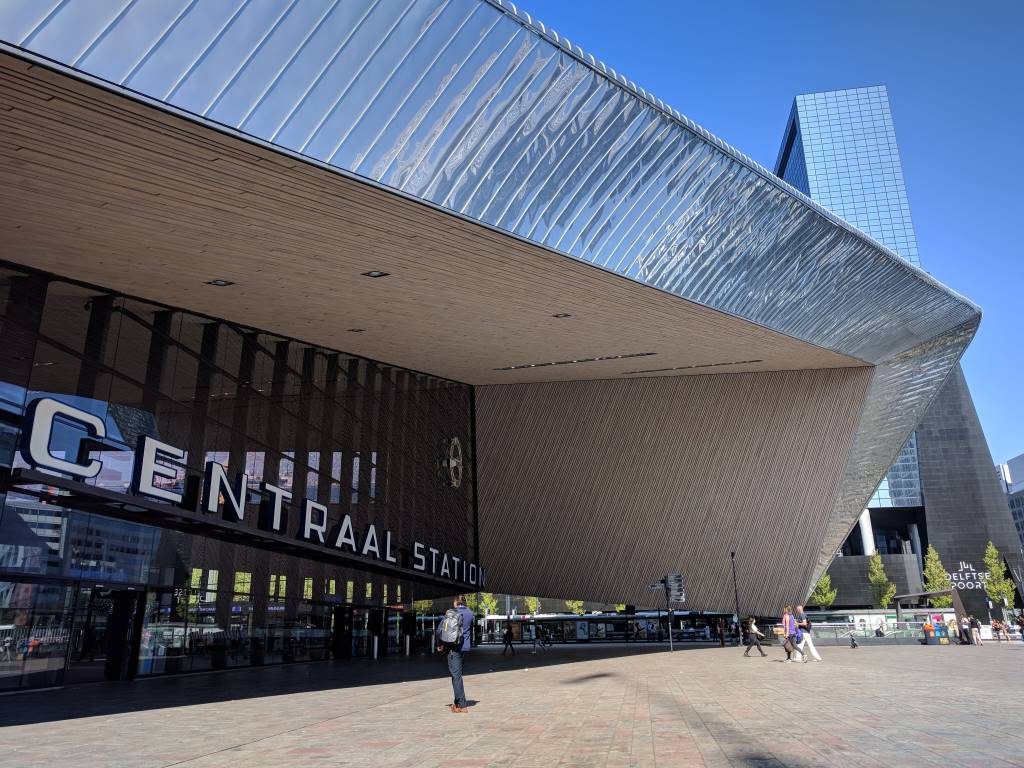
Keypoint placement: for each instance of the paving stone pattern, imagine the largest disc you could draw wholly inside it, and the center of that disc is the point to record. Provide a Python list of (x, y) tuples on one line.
[(577, 706)]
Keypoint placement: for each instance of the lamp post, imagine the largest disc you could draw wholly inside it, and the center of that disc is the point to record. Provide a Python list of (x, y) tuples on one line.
[(735, 589)]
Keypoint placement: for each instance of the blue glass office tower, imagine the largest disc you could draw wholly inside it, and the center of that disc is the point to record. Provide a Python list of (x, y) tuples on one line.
[(840, 149)]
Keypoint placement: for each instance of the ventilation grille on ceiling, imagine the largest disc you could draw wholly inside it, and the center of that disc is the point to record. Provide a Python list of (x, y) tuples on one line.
[(571, 362), (692, 367)]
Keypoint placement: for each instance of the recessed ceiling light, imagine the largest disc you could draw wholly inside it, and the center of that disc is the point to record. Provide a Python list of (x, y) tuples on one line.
[(220, 283), (562, 314), (375, 273)]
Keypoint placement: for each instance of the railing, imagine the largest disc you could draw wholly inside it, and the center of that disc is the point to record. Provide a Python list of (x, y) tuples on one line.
[(891, 633), (659, 635), (23, 641)]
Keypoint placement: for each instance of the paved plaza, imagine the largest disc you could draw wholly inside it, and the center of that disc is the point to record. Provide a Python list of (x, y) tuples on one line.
[(577, 706)]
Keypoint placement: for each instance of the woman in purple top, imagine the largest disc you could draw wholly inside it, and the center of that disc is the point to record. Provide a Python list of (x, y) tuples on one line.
[(790, 632)]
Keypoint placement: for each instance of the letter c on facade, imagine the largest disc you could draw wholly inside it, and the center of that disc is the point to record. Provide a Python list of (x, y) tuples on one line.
[(38, 429)]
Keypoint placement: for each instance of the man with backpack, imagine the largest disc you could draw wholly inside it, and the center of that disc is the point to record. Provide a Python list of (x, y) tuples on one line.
[(454, 635)]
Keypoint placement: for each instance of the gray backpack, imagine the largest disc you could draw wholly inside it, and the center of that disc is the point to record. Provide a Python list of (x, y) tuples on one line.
[(451, 628)]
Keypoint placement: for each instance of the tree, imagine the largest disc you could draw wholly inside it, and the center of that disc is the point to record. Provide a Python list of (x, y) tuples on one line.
[(882, 589), (620, 607), (997, 585), (574, 606), (423, 606), (823, 595), (532, 604), (473, 601), (936, 578), (488, 604)]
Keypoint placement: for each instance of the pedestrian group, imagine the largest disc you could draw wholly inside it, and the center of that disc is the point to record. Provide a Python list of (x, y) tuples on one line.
[(796, 633)]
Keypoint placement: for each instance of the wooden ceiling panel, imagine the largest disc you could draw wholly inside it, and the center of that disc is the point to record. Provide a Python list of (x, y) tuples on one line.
[(596, 489), (114, 192)]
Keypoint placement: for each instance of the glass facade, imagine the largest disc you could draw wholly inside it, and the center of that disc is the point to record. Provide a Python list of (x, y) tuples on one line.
[(840, 150), (88, 594), (901, 486), (1016, 501)]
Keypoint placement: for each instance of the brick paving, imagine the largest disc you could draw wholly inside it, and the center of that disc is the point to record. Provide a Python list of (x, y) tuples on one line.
[(578, 706)]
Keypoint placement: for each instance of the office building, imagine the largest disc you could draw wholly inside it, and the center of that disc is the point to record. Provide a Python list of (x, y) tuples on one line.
[(1011, 477), (840, 149)]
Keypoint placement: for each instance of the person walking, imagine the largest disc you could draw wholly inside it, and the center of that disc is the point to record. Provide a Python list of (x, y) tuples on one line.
[(754, 636), (806, 642), (975, 631), (507, 637), (1020, 624), (997, 630), (545, 637), (965, 630), (454, 637), (538, 638), (720, 628), (790, 634)]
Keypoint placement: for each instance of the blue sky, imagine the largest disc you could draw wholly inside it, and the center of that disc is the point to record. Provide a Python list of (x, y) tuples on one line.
[(955, 74)]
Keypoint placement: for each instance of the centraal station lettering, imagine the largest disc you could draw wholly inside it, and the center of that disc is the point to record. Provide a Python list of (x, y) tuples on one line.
[(157, 466)]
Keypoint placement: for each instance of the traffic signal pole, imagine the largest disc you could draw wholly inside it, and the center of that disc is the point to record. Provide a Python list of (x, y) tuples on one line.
[(668, 610), (674, 590)]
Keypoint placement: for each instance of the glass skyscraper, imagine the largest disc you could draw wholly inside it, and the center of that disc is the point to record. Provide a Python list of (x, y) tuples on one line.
[(840, 149)]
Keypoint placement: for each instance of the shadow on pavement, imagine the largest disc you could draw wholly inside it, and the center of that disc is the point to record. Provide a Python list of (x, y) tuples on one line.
[(587, 678), (99, 699)]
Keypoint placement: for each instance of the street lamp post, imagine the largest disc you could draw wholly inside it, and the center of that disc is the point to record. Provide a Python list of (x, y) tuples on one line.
[(735, 589)]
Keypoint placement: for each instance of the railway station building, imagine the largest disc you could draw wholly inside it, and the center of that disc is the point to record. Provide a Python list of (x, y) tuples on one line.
[(312, 310)]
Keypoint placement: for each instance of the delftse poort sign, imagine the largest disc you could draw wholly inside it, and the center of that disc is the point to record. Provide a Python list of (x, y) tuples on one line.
[(967, 577), (157, 465)]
